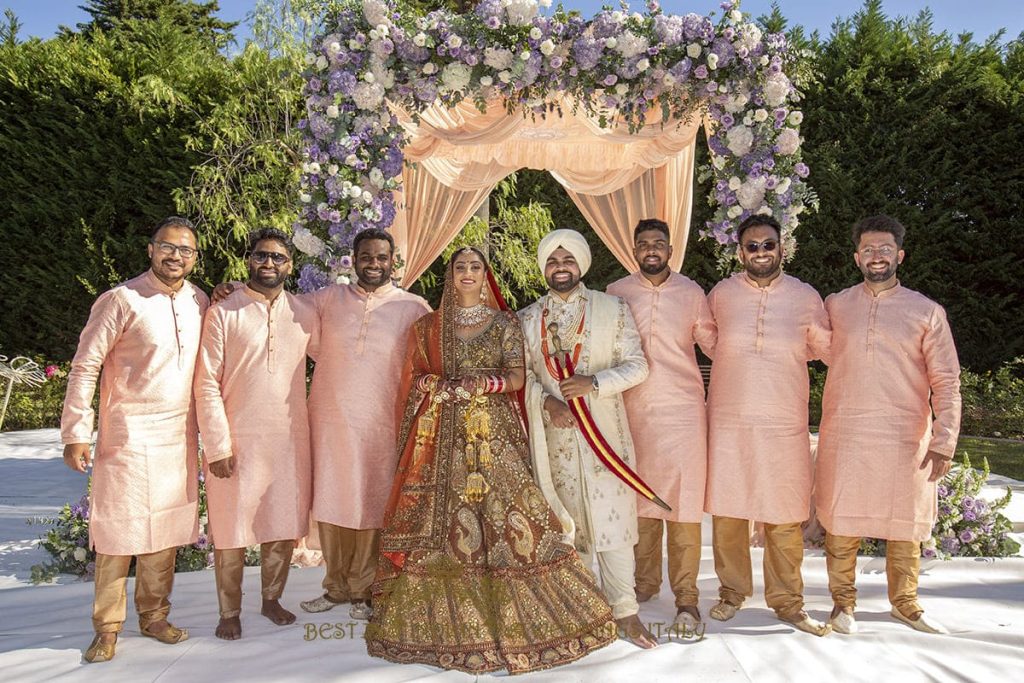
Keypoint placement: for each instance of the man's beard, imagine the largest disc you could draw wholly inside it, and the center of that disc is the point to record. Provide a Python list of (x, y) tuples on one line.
[(376, 281), (268, 281), (563, 287), (875, 276), (651, 269)]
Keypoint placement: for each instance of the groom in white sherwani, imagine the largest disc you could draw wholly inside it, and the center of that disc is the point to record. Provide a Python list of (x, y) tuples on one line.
[(597, 331)]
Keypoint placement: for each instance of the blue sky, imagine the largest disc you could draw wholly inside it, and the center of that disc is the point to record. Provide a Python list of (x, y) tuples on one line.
[(981, 17)]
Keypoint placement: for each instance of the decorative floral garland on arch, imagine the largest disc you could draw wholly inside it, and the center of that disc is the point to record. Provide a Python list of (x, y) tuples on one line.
[(626, 63)]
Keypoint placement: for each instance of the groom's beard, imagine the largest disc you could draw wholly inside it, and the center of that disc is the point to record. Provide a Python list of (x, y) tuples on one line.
[(563, 286)]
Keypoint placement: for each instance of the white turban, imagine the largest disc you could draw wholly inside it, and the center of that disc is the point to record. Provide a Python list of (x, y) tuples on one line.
[(571, 241)]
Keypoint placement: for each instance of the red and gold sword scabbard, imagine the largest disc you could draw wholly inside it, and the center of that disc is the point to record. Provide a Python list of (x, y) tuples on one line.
[(595, 439)]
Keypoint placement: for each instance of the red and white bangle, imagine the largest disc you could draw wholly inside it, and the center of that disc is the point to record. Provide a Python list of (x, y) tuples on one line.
[(495, 385), (426, 383)]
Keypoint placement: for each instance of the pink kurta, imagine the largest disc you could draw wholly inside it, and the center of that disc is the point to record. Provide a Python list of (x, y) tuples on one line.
[(352, 403), (666, 412), (889, 354), (250, 391), (145, 338), (759, 456)]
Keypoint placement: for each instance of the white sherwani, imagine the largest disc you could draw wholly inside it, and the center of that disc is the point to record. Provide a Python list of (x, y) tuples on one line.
[(597, 509)]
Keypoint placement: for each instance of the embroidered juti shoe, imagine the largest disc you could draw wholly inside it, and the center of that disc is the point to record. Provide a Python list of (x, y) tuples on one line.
[(723, 611), (921, 624), (170, 635), (99, 651), (320, 604), (803, 622), (844, 622)]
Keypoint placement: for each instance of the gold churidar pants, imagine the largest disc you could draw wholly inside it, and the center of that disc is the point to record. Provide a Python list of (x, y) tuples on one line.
[(902, 566), (683, 558), (229, 564), (783, 556), (154, 578), (351, 559)]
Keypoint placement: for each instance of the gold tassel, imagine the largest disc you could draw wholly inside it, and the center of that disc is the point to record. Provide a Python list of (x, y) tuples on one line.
[(476, 488), (484, 457)]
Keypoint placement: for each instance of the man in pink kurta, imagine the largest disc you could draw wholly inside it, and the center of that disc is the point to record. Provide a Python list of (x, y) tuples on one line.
[(667, 417), (250, 390), (354, 419), (144, 336), (759, 461), (880, 455)]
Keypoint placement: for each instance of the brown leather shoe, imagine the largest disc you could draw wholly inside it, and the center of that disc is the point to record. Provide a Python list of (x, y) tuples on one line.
[(99, 651)]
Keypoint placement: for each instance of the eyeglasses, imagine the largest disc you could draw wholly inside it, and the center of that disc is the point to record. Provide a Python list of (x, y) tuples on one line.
[(278, 258), (754, 247), (880, 251), (168, 249)]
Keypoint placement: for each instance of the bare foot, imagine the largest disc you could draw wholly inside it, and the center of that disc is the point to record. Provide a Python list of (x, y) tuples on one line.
[(635, 632), (279, 615), (229, 628)]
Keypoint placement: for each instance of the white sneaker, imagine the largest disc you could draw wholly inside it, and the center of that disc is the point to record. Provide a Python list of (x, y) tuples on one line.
[(922, 623), (844, 622)]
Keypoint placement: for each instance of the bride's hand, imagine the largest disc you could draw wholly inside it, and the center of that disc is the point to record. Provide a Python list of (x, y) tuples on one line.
[(471, 383)]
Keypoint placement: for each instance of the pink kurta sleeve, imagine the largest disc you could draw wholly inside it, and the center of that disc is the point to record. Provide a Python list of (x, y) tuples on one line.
[(819, 334), (106, 323), (712, 303), (213, 419), (705, 331), (943, 369)]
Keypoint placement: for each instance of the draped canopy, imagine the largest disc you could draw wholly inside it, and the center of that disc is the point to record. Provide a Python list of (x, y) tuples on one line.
[(456, 156)]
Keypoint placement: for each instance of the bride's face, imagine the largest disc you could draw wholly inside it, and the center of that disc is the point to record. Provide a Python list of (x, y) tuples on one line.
[(469, 274)]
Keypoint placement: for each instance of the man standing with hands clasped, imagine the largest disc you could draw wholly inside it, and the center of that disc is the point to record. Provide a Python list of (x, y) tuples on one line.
[(144, 335), (880, 454)]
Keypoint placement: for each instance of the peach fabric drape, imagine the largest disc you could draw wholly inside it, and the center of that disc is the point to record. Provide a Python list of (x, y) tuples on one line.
[(456, 156)]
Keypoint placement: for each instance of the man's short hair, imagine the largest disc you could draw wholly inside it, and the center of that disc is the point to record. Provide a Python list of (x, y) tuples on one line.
[(645, 224), (372, 234), (272, 234), (756, 220), (879, 223), (174, 222)]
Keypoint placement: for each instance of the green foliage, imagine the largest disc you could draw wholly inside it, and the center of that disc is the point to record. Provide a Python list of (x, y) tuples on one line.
[(994, 401), (924, 127), (196, 18), (37, 407)]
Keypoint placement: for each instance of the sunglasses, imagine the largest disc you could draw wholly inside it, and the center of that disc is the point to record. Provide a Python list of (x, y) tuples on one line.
[(279, 259), (754, 247)]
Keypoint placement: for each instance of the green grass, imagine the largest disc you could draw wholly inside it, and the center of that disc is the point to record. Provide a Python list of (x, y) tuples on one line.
[(1004, 457)]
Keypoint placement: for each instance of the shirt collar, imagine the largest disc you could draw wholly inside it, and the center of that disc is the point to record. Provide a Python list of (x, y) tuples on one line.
[(380, 291), (647, 284), (881, 295), (162, 286), (579, 294), (771, 286)]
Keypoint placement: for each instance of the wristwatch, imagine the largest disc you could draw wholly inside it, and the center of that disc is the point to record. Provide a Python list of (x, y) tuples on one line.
[(593, 379)]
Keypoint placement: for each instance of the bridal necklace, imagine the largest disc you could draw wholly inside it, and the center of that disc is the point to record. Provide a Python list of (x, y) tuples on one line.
[(471, 316)]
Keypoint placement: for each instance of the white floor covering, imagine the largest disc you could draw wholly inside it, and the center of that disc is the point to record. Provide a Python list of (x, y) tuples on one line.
[(43, 629)]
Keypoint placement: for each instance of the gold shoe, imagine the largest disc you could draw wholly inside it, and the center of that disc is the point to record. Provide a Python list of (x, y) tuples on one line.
[(723, 611), (99, 651), (803, 622), (170, 635)]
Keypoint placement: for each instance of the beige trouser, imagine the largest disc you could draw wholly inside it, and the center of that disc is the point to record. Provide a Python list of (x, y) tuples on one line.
[(683, 558), (351, 559), (229, 564), (902, 566), (783, 555), (615, 569), (154, 578)]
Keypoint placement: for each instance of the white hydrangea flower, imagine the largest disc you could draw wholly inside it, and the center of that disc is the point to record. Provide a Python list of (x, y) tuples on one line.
[(693, 50), (630, 45), (788, 141), (332, 170), (521, 12), (611, 43), (547, 47), (505, 76), (783, 186), (735, 183), (369, 77), (736, 15), (751, 193), (308, 243), (368, 95), (376, 12), (749, 38), (498, 58), (736, 103), (765, 210), (712, 61), (456, 76), (776, 89), (739, 140), (486, 81)]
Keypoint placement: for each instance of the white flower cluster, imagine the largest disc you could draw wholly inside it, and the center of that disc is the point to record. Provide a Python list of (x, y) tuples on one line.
[(521, 12), (739, 139), (368, 95), (630, 45), (456, 76), (498, 58), (308, 243), (376, 12), (776, 89)]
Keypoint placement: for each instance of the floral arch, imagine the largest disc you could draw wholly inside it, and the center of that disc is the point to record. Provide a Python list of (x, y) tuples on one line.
[(411, 120)]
